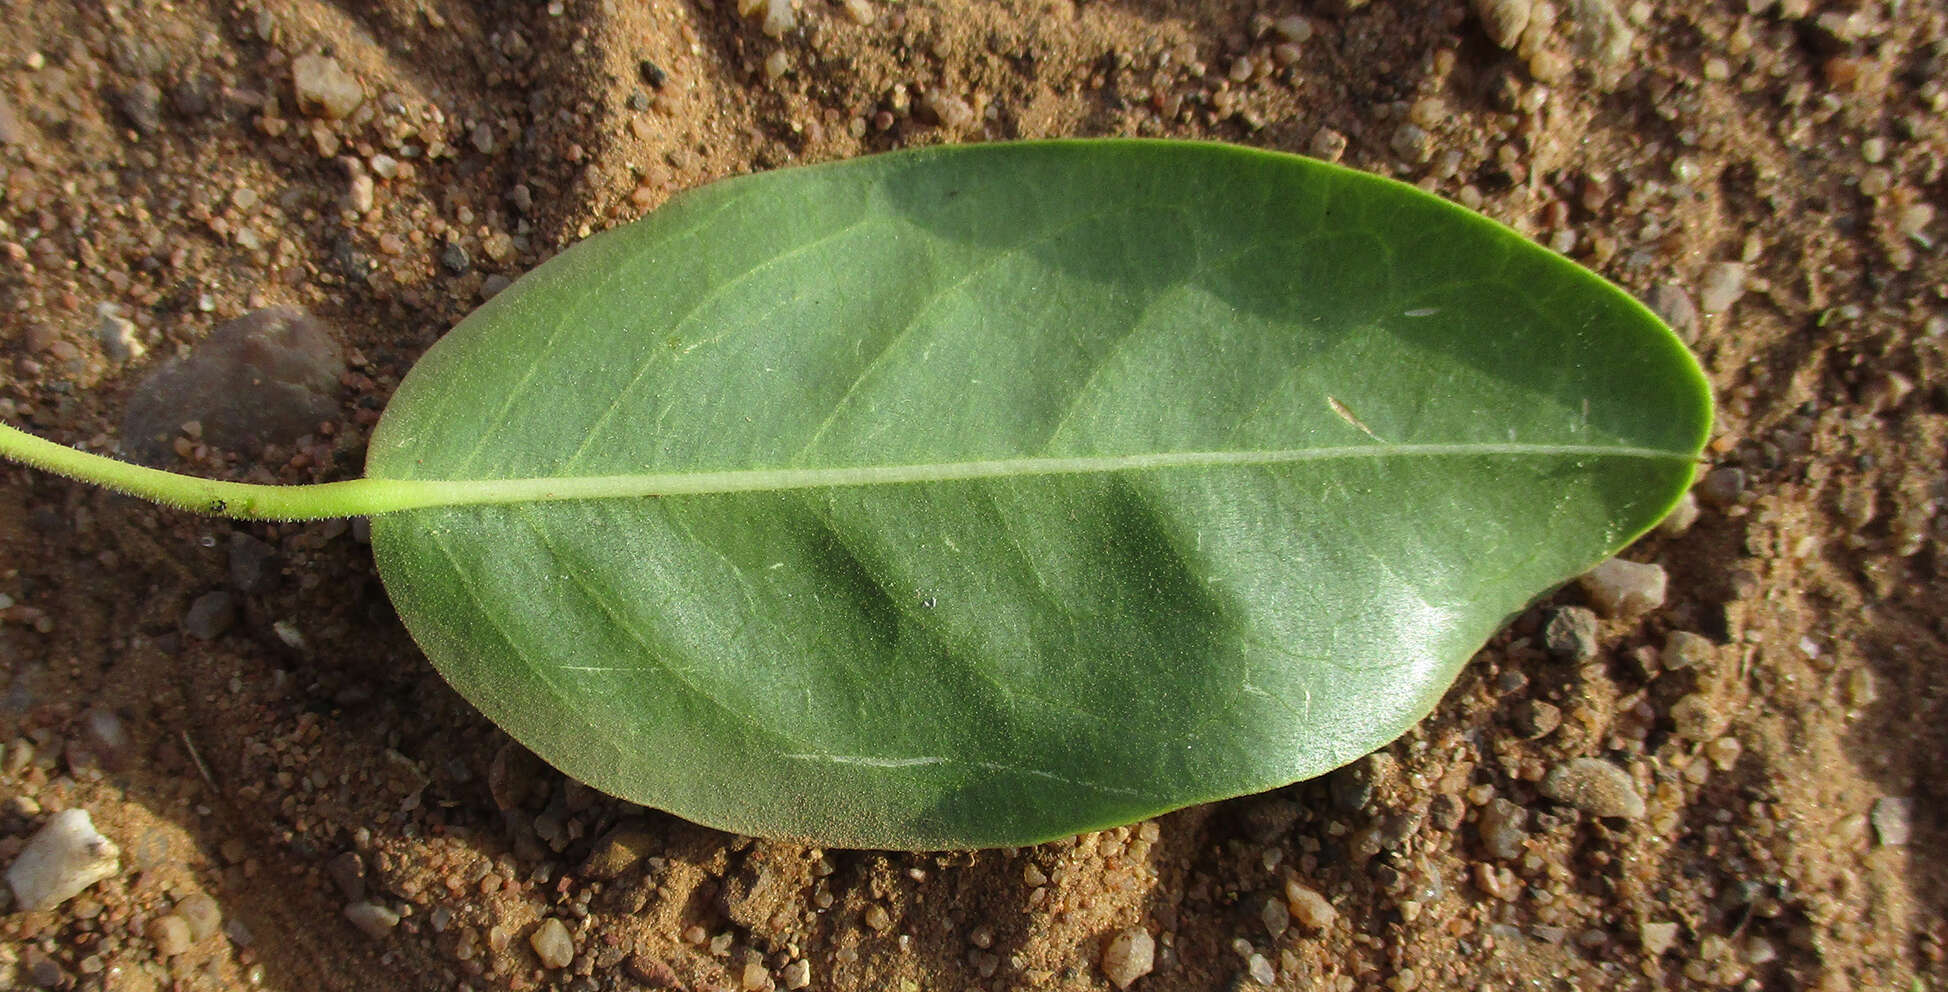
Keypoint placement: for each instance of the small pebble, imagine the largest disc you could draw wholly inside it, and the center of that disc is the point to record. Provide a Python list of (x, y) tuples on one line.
[(12, 132), (1128, 956), (1594, 786), (1327, 144), (1657, 937), (1294, 29), (552, 944), (104, 734), (1722, 487), (1723, 752), (1504, 20), (374, 920), (1683, 649), (1502, 826), (170, 934), (1276, 914), (455, 258), (1307, 906), (1892, 818), (798, 974), (250, 562), (1758, 951), (202, 914), (211, 615), (141, 105), (1723, 284), (116, 334), (776, 16), (1571, 634), (952, 111), (1622, 588), (359, 195), (860, 12), (41, 969), (1673, 306), (1261, 969), (1696, 717), (1682, 516), (754, 977), (619, 851), (64, 857), (324, 88), (347, 871), (651, 971), (1535, 719), (1411, 143)]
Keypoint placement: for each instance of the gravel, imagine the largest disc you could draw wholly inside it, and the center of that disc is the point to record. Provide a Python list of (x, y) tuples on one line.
[(171, 934), (211, 615), (1128, 956), (1722, 487), (619, 851), (11, 130), (1684, 649), (1657, 937), (63, 858), (1260, 969), (1276, 914), (202, 915), (1892, 819), (116, 334), (324, 88), (1571, 634), (1723, 285), (104, 734), (1673, 306), (141, 105), (798, 974), (1307, 906), (1503, 828), (1594, 786), (775, 16), (372, 919), (1534, 718), (454, 257), (1682, 516), (1504, 20), (552, 944), (250, 562), (347, 871), (1622, 588), (269, 376)]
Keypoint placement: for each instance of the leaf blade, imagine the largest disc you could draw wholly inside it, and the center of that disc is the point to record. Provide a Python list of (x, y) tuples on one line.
[(945, 660)]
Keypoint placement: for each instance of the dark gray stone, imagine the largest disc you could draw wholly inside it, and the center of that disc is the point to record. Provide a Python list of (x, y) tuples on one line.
[(250, 562), (267, 377), (1571, 634), (211, 616)]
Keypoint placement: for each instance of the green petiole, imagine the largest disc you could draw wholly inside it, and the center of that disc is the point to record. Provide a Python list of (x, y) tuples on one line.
[(365, 497)]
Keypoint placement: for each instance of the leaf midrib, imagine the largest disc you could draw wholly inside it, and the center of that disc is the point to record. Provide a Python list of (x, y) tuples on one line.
[(388, 495)]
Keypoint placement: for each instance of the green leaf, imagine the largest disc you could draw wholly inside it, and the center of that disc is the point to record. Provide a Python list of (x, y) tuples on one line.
[(1010, 491)]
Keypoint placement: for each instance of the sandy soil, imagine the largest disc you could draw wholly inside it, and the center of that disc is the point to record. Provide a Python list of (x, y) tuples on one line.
[(1779, 160)]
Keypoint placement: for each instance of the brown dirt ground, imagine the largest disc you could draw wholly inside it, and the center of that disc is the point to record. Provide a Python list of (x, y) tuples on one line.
[(1804, 137)]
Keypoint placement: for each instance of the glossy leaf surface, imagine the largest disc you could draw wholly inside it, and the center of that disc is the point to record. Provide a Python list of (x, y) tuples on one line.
[(1009, 491)]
